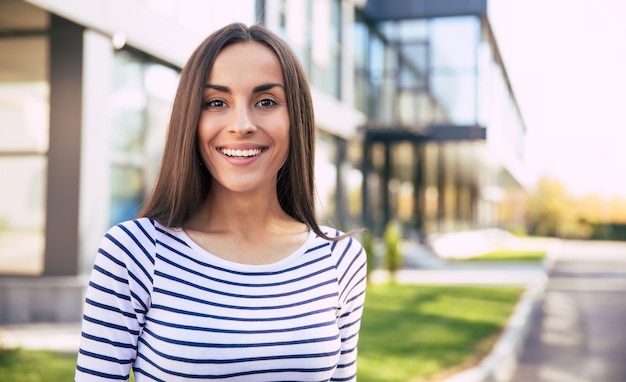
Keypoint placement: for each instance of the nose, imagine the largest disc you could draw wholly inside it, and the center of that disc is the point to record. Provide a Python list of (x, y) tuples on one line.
[(242, 123)]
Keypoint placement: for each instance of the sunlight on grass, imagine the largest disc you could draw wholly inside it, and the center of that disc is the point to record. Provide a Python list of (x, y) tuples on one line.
[(36, 366), (511, 256), (417, 332)]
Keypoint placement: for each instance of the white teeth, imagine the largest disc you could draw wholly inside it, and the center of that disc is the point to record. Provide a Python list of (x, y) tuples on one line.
[(241, 153)]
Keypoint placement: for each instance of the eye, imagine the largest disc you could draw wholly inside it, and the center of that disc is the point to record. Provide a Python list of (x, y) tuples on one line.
[(266, 103), (214, 104)]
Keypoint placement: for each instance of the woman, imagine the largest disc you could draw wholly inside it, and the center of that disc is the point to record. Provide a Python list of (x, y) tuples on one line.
[(227, 275)]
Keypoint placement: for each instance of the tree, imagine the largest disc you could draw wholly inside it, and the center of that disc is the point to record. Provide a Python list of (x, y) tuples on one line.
[(552, 212), (392, 237)]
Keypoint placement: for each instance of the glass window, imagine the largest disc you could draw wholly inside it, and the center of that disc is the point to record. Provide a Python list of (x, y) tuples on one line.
[(361, 77), (24, 112), (415, 60), (326, 46), (457, 95), (454, 41), (412, 30), (454, 46), (142, 93)]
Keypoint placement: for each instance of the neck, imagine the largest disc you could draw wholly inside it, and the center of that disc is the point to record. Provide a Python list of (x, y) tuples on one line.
[(246, 214)]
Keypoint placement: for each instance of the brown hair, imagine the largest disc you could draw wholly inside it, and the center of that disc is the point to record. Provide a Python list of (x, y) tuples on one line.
[(183, 183)]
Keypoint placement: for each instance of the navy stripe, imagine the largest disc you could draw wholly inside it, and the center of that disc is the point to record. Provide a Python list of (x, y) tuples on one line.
[(239, 360), (247, 332), (93, 285), (106, 358), (343, 254), (246, 296), (110, 275), (353, 274), (233, 375), (106, 254), (239, 345), (234, 283), (152, 377), (110, 308), (242, 319), (107, 341), (238, 307), (109, 325), (138, 243), (102, 375), (129, 253), (235, 272), (171, 236)]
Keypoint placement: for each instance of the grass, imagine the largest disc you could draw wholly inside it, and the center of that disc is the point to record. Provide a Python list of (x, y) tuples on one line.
[(409, 333), (509, 255), (36, 366), (420, 333)]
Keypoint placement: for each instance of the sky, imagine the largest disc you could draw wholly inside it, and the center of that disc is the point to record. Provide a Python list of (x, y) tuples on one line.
[(566, 60)]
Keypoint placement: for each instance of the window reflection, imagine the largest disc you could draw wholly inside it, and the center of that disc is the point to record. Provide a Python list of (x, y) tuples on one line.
[(24, 116), (326, 46), (142, 92)]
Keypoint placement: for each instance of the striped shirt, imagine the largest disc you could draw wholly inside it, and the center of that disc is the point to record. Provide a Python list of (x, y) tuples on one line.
[(162, 305)]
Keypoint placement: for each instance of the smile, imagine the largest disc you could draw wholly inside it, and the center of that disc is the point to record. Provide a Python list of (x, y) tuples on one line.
[(241, 153)]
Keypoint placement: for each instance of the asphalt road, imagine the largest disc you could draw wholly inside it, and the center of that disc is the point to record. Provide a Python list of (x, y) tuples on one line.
[(578, 329)]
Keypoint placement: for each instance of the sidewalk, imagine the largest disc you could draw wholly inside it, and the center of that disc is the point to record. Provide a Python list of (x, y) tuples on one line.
[(63, 337)]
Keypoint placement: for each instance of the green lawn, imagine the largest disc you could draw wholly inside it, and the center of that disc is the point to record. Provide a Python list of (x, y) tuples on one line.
[(409, 333), (509, 255), (417, 332), (36, 366)]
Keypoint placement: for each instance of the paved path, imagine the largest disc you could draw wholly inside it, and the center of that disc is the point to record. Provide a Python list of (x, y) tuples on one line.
[(578, 331)]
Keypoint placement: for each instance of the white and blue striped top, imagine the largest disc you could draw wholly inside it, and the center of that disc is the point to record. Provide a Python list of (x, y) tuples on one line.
[(161, 304)]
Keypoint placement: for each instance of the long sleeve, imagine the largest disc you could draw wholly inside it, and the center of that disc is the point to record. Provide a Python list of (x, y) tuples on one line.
[(351, 269), (117, 299)]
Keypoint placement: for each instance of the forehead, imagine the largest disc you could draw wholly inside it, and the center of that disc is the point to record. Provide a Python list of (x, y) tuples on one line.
[(246, 61)]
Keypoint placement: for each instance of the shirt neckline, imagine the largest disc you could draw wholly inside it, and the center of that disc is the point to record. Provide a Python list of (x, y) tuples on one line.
[(181, 234)]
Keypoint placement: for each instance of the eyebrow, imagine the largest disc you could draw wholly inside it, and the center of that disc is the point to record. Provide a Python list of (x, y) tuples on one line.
[(256, 89)]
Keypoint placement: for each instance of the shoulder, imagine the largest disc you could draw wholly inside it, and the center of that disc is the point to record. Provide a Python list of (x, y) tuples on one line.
[(338, 235), (131, 236), (345, 243), (134, 228)]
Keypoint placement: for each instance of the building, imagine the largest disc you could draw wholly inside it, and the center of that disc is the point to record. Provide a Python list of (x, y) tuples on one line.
[(416, 121)]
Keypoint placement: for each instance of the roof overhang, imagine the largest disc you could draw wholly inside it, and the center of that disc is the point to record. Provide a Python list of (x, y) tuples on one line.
[(437, 133), (386, 10)]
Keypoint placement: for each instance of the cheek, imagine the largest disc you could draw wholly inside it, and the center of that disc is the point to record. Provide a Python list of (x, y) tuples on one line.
[(206, 131)]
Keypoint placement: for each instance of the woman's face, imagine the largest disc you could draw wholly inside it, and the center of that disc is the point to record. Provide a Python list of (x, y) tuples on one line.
[(244, 123)]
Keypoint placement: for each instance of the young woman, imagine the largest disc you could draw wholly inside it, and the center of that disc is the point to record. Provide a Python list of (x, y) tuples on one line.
[(226, 275)]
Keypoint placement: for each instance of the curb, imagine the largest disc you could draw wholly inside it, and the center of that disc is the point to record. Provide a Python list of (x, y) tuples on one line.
[(500, 364)]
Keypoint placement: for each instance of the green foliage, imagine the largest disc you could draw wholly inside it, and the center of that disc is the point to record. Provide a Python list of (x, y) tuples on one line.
[(392, 238), (417, 332), (551, 212)]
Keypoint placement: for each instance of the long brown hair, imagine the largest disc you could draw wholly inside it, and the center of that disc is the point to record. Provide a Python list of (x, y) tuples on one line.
[(183, 183)]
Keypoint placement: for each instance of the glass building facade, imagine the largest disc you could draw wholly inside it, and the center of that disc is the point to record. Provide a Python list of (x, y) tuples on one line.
[(443, 146), (415, 118)]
